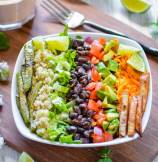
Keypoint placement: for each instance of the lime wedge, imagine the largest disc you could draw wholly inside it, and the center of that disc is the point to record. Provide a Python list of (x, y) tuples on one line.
[(136, 6), (38, 43), (137, 62), (60, 43), (24, 157), (124, 49)]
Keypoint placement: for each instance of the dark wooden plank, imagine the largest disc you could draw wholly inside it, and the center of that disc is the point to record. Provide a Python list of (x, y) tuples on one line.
[(141, 150)]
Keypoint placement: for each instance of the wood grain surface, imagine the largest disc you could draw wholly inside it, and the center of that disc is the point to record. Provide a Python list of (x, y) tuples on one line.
[(141, 150)]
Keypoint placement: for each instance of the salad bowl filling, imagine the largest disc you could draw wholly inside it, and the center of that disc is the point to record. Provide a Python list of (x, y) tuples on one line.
[(79, 91)]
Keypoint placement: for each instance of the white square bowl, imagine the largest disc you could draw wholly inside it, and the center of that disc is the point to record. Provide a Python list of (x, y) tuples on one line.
[(28, 134)]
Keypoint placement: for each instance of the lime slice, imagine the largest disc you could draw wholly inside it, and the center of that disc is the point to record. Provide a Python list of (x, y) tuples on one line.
[(60, 43), (38, 43), (24, 157), (124, 49), (137, 62), (136, 6)]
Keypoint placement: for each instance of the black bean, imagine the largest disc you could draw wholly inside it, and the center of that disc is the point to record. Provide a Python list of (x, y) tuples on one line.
[(90, 113), (77, 110), (73, 115), (86, 133), (85, 66), (80, 117), (89, 119), (83, 53), (85, 140), (82, 59), (77, 43), (83, 106), (84, 94), (86, 100), (84, 112), (79, 100), (86, 46), (75, 122), (84, 82), (80, 130), (83, 77), (76, 90), (74, 96), (86, 125), (73, 82), (81, 71), (72, 129), (73, 75), (77, 136), (80, 48), (83, 121)]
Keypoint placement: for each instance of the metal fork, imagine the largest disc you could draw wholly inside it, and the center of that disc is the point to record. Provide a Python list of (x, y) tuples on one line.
[(75, 19)]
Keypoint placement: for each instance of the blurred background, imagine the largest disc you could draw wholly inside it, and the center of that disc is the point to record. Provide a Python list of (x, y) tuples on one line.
[(145, 22)]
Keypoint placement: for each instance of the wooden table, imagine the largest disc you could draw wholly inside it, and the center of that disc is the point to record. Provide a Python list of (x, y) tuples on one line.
[(141, 150)]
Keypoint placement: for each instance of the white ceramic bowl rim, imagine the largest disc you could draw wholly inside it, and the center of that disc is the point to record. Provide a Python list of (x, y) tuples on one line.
[(28, 134)]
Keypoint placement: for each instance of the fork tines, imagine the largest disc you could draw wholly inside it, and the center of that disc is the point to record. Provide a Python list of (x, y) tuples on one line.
[(54, 7)]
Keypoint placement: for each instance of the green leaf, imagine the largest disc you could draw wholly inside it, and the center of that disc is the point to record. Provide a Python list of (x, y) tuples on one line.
[(101, 160), (79, 37), (105, 151), (65, 32), (105, 155), (4, 42), (70, 56)]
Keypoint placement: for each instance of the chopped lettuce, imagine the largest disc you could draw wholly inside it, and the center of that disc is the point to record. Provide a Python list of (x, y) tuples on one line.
[(59, 88), (70, 57), (69, 139), (63, 78), (62, 66), (113, 66), (58, 103)]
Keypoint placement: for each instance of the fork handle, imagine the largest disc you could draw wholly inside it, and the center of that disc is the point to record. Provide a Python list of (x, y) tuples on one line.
[(149, 50)]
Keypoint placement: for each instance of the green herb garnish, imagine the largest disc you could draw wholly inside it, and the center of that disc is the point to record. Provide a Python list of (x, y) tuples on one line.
[(104, 154), (4, 41)]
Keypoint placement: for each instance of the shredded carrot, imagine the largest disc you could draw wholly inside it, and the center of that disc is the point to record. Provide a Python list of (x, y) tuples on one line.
[(128, 78)]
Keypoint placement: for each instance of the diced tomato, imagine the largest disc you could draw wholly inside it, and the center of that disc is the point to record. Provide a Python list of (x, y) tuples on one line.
[(93, 105), (100, 56), (94, 60), (102, 41), (100, 121), (91, 86), (108, 136), (96, 48), (102, 138), (95, 76), (99, 103), (98, 86), (98, 138), (93, 95), (100, 117), (88, 58)]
